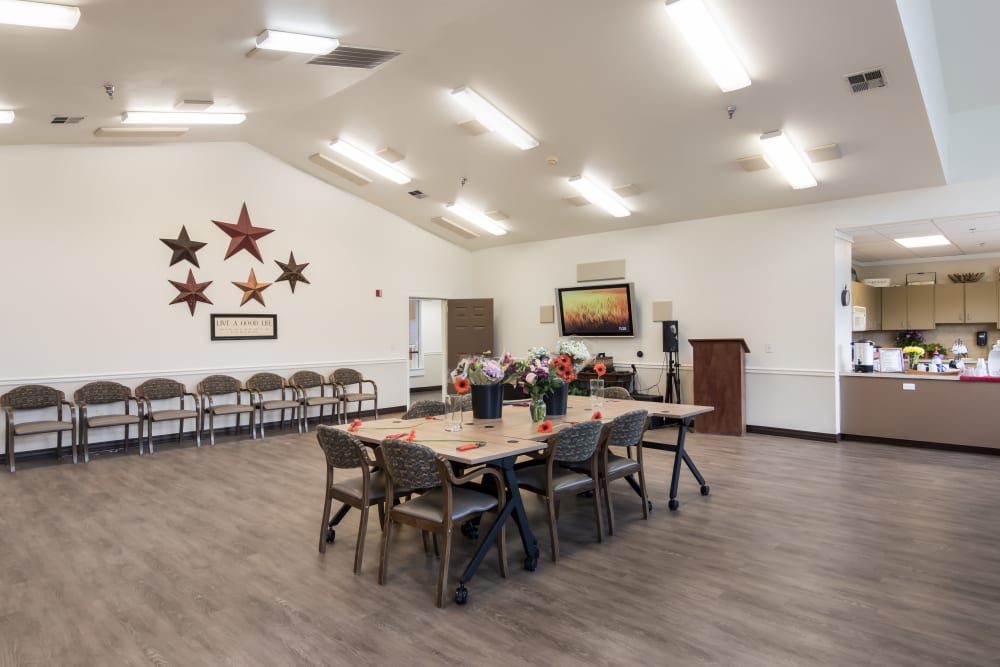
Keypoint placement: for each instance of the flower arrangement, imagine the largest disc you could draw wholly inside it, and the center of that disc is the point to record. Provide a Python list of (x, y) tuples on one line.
[(910, 337), (914, 352), (542, 373), (483, 370), (575, 350)]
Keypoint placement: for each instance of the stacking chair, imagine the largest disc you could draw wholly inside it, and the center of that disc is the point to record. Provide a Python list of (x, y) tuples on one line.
[(219, 386), (620, 393), (344, 451), (109, 395), (411, 466), (352, 387), (575, 446), (165, 389), (424, 409), (36, 397), (305, 381), (286, 399), (625, 431)]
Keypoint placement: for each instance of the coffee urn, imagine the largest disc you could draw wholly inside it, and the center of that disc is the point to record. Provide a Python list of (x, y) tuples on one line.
[(863, 356)]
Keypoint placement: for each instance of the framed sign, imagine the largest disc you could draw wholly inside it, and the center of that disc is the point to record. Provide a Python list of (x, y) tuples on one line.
[(244, 327), (891, 359)]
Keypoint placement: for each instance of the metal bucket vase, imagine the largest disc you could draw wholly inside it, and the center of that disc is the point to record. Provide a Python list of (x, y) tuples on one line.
[(555, 402), (487, 401)]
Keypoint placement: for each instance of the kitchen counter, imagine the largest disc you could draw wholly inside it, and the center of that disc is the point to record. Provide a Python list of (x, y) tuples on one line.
[(905, 376)]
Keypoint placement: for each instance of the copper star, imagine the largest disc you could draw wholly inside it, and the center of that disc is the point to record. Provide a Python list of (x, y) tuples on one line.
[(191, 292), (243, 235), (184, 248), (291, 271), (252, 289)]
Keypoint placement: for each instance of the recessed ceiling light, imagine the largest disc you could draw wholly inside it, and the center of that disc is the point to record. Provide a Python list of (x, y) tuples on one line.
[(786, 158), (599, 196), (39, 14), (493, 118), (369, 161), (922, 241), (290, 42), (181, 118), (713, 49), (6, 116), (478, 218)]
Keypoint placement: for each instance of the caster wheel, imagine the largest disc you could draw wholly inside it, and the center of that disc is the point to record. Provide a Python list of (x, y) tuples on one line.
[(531, 563), (673, 504), (461, 595), (331, 535), (649, 505), (705, 490)]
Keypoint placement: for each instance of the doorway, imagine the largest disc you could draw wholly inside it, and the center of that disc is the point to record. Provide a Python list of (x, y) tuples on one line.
[(426, 347)]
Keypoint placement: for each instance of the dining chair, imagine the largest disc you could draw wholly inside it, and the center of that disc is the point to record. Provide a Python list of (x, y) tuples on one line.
[(166, 389), (575, 445), (618, 393), (305, 382), (344, 451), (625, 431), (424, 409), (223, 386), (352, 388), (263, 385), (445, 502), (32, 397), (110, 396)]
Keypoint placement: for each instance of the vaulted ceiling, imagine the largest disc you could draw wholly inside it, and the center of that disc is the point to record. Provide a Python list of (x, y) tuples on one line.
[(609, 89)]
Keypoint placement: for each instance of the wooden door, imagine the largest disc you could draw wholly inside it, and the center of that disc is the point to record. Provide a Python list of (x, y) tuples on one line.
[(949, 303), (980, 302), (920, 306), (470, 328), (894, 308)]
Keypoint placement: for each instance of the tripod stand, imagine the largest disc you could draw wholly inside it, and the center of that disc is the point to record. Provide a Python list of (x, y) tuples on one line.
[(673, 380)]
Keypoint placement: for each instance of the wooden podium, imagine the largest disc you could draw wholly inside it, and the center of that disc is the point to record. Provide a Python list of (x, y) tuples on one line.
[(720, 381)]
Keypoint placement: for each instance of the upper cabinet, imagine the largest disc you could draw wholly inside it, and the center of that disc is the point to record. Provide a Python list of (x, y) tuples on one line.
[(909, 307), (869, 298), (965, 303)]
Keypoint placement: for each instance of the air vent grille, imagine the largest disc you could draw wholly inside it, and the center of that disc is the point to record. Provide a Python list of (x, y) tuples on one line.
[(354, 56), (66, 120), (862, 81), (417, 194)]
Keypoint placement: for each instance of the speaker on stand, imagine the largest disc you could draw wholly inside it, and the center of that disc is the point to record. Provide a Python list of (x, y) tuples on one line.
[(671, 347)]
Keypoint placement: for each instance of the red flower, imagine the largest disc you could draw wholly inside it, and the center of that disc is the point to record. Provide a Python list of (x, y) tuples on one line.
[(600, 369), (545, 426), (564, 360), (462, 385), (430, 417), (355, 425), (412, 436), (597, 415)]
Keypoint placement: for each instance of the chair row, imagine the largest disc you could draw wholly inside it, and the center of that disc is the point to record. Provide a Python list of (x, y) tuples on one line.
[(104, 404), (582, 457)]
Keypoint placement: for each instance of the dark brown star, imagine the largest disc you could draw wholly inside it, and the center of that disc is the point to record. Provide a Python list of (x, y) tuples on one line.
[(252, 289), (191, 292), (184, 248), (243, 235), (291, 271)]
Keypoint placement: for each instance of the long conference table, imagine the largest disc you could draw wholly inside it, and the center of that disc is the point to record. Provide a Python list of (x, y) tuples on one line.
[(513, 435)]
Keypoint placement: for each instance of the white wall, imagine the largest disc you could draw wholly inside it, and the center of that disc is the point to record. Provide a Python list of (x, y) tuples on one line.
[(86, 276)]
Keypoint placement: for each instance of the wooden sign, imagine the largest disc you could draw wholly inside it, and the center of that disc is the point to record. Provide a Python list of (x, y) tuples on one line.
[(244, 327)]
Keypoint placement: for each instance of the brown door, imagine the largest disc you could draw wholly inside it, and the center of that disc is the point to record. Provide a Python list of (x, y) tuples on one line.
[(470, 328)]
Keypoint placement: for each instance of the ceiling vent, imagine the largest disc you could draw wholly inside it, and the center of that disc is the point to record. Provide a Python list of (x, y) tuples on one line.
[(417, 194), (66, 120), (354, 56), (863, 81)]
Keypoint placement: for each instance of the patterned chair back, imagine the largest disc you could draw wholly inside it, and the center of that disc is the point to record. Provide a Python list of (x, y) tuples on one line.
[(425, 409), (627, 430), (265, 382), (342, 449), (618, 393), (159, 389), (220, 384), (577, 442), (32, 397), (102, 391), (347, 376), (410, 465), (306, 379)]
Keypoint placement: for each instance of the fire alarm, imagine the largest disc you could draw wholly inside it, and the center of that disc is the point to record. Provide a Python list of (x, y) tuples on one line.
[(378, 292)]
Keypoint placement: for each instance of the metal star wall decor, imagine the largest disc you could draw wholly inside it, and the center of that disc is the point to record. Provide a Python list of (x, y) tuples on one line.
[(243, 235), (184, 248), (252, 289), (191, 292), (291, 271)]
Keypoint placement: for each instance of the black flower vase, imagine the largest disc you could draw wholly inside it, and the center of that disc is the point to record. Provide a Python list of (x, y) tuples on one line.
[(487, 401), (555, 401)]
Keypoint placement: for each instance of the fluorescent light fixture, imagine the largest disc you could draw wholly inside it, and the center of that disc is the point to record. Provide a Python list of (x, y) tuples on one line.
[(274, 40), (181, 118), (922, 241), (478, 218), (786, 158), (140, 132), (595, 194), (369, 161), (6, 116), (706, 38), (493, 118), (39, 14)]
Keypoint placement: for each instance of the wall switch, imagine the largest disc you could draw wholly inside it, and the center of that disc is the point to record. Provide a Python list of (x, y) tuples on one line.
[(768, 348), (909, 386)]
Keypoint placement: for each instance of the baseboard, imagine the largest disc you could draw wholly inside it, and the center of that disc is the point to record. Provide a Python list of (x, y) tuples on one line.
[(792, 433), (948, 447)]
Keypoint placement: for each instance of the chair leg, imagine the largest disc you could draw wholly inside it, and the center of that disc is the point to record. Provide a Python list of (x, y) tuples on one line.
[(443, 566), (359, 550), (597, 512), (59, 446), (427, 544), (85, 436), (324, 525), (553, 532), (72, 440), (607, 506), (642, 494), (434, 540), (9, 441), (211, 428), (383, 564)]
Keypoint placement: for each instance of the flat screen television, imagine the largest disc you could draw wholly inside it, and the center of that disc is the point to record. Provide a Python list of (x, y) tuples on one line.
[(596, 310)]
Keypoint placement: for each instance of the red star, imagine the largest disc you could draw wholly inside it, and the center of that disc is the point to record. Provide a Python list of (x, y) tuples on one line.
[(190, 292), (243, 235)]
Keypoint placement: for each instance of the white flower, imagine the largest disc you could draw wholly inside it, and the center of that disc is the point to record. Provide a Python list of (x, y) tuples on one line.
[(576, 349)]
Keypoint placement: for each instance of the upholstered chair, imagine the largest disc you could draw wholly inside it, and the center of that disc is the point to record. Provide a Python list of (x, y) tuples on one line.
[(31, 398), (352, 386), (174, 395), (313, 390), (273, 393), (116, 402), (216, 394)]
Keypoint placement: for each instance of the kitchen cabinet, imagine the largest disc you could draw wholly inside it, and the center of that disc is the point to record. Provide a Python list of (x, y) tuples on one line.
[(965, 303), (869, 298), (910, 307)]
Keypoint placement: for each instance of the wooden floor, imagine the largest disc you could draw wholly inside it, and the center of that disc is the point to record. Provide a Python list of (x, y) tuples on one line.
[(804, 554)]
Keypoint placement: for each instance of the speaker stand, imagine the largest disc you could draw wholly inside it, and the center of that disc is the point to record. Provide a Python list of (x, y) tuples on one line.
[(672, 394)]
